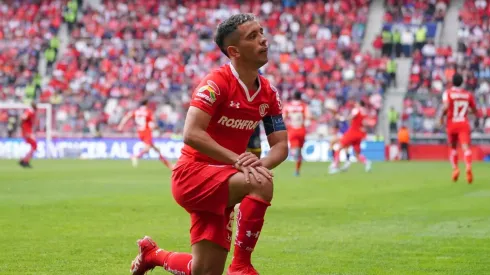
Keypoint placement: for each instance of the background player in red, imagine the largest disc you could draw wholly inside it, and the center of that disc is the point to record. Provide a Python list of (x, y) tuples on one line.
[(296, 114), (214, 172), (457, 103), (28, 120), (143, 118), (353, 137)]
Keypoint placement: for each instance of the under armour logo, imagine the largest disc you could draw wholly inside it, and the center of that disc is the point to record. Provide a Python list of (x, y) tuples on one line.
[(236, 105), (250, 234)]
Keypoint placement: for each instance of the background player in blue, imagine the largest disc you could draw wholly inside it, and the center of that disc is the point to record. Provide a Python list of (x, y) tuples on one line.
[(339, 127)]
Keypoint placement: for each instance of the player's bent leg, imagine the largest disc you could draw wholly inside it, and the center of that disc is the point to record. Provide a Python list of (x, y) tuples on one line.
[(25, 162), (208, 258), (357, 151), (254, 200), (135, 157), (161, 157)]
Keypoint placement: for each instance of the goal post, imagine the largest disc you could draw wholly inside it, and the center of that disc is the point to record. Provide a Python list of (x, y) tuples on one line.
[(49, 118)]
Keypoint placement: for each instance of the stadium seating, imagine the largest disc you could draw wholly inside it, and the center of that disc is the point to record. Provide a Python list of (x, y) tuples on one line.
[(433, 68), (128, 50)]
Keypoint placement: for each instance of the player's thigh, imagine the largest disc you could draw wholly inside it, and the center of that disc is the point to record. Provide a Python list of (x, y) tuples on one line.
[(356, 146), (239, 188), (208, 258), (200, 186), (346, 141), (452, 139)]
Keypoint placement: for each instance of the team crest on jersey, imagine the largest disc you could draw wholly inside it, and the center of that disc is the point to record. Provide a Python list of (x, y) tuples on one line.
[(207, 94), (263, 109)]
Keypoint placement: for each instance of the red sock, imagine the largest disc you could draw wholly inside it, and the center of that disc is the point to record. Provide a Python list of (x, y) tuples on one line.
[(229, 213), (165, 161), (173, 262), (140, 154), (29, 155), (467, 159), (362, 159), (250, 219), (336, 158), (453, 158), (298, 164)]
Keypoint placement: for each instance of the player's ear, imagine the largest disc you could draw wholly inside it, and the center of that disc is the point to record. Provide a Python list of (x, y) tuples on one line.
[(233, 51)]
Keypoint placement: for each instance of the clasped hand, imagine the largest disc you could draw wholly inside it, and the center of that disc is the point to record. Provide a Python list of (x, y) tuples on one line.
[(250, 164)]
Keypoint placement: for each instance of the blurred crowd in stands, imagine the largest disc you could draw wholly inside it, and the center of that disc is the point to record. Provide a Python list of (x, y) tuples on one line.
[(123, 51), (433, 67), (94, 63)]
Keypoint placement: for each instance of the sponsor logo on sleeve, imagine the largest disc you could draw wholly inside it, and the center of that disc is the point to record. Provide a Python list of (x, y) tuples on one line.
[(206, 94)]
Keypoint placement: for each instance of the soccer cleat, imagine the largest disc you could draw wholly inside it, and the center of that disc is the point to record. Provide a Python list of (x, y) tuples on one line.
[(345, 166), (368, 166), (469, 176), (455, 174), (333, 170), (140, 266), (296, 173), (134, 161), (247, 270), (25, 164)]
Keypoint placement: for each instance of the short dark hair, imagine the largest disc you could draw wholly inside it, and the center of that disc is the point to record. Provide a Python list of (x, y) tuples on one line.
[(297, 95), (144, 102), (229, 26), (362, 103), (457, 80), (33, 105)]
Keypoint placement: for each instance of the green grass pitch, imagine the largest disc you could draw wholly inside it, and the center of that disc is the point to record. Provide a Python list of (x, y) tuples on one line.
[(83, 217)]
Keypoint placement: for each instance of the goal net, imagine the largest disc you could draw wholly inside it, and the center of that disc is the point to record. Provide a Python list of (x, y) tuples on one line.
[(45, 113)]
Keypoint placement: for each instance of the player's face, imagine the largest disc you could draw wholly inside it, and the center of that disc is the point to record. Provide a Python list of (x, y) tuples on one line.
[(253, 44)]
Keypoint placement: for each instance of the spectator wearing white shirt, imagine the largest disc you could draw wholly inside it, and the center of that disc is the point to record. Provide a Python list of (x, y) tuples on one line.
[(407, 40)]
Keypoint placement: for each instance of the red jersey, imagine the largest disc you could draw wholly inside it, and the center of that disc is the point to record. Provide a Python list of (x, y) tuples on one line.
[(28, 119), (143, 118), (235, 111), (296, 113), (358, 116), (458, 101)]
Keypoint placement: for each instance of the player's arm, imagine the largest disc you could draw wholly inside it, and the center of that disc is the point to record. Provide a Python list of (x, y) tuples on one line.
[(124, 120), (195, 135), (445, 107), (278, 141)]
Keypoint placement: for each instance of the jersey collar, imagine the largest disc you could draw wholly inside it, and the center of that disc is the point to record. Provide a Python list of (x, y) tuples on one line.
[(250, 98)]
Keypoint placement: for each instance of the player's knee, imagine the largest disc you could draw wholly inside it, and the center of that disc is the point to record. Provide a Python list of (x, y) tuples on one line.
[(34, 145), (264, 191)]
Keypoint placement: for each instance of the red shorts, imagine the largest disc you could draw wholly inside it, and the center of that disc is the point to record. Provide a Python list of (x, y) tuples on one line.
[(29, 138), (146, 137), (202, 190), (354, 139), (296, 138), (459, 133)]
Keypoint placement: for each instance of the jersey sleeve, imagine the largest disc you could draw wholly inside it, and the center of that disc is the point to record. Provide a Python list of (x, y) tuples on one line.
[(274, 121), (444, 97), (354, 112), (276, 104), (210, 93)]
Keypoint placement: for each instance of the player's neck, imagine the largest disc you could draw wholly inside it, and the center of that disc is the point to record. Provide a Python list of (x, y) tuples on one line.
[(246, 74)]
